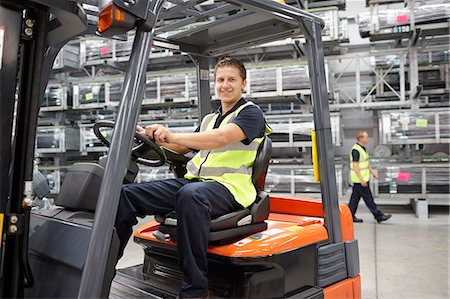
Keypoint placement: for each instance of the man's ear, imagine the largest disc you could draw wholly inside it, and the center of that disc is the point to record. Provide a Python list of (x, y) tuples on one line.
[(244, 84)]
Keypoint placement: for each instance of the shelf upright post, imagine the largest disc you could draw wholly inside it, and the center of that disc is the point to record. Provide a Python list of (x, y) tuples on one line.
[(413, 62)]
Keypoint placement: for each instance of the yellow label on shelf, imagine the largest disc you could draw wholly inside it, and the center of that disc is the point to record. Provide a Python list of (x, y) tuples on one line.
[(421, 122), (89, 96), (1, 229)]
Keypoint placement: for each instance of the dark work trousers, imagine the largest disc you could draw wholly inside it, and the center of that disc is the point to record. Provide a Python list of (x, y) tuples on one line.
[(195, 203), (366, 194)]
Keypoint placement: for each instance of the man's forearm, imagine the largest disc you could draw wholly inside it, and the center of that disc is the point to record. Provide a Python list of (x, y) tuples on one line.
[(204, 140), (175, 147)]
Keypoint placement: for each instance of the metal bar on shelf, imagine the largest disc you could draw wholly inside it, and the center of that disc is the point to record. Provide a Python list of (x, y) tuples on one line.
[(402, 78)]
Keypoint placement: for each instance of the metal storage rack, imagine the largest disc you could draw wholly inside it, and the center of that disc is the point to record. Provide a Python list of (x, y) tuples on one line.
[(340, 4), (330, 16), (88, 142), (400, 23), (425, 126), (90, 95), (298, 180), (400, 182), (95, 51), (56, 139), (379, 78), (295, 130), (68, 58), (55, 98), (273, 81), (98, 51)]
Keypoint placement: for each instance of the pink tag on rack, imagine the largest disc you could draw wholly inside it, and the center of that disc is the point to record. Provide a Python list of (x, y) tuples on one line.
[(402, 19), (403, 176), (104, 50)]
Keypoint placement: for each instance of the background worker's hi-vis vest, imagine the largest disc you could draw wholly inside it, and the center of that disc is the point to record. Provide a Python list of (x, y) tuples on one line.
[(363, 164), (231, 165)]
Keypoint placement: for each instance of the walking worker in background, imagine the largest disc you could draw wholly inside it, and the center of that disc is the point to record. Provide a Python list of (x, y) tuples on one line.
[(360, 171)]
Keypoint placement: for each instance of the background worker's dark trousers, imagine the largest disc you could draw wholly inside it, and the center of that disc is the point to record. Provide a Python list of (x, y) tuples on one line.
[(364, 192), (195, 203)]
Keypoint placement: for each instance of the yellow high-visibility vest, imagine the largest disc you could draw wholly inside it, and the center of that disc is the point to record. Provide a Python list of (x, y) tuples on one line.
[(363, 164), (231, 165)]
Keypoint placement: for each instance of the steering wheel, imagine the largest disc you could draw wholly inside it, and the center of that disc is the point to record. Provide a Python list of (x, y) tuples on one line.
[(138, 153)]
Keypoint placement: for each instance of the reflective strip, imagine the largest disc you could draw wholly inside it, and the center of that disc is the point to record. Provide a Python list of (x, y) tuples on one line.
[(206, 121), (203, 154), (219, 171), (238, 146), (192, 170), (233, 115), (231, 159)]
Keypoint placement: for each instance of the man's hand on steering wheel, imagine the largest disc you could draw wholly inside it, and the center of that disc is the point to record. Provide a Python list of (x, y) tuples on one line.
[(140, 130), (138, 153), (159, 133)]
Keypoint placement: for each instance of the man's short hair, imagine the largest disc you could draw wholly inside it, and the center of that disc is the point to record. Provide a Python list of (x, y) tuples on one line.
[(360, 134), (229, 61)]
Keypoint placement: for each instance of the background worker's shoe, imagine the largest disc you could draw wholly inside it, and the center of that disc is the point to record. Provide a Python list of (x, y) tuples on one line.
[(357, 220), (384, 217)]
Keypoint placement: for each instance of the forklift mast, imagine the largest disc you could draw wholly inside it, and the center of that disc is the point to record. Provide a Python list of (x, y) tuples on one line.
[(33, 32)]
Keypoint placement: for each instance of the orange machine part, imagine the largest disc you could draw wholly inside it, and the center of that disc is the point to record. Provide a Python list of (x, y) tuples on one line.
[(105, 18), (293, 223), (312, 207), (349, 288), (296, 206), (280, 236)]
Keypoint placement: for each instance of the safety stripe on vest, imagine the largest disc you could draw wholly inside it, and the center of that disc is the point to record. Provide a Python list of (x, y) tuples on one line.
[(253, 146), (218, 171), (232, 169)]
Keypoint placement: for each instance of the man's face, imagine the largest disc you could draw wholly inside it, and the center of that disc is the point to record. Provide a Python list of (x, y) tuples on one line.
[(229, 84), (364, 139)]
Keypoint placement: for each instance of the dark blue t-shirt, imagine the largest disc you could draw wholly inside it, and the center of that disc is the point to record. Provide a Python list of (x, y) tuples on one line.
[(250, 120), (355, 154)]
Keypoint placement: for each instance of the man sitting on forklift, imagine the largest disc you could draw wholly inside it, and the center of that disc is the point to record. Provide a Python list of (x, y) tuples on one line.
[(217, 182)]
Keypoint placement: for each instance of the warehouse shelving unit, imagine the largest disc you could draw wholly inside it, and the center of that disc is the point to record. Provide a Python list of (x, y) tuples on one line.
[(88, 76), (424, 126), (419, 185)]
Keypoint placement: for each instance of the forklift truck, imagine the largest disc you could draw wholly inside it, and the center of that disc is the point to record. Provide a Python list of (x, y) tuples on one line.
[(308, 249)]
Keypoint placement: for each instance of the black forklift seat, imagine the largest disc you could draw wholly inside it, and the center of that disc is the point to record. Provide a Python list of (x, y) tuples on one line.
[(82, 183), (230, 227)]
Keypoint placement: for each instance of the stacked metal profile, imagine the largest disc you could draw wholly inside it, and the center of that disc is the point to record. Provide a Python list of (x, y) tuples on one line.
[(393, 18), (415, 127), (298, 179), (422, 179)]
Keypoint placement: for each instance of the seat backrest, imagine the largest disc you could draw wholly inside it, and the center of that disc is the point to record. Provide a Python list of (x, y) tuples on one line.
[(132, 170), (262, 163)]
